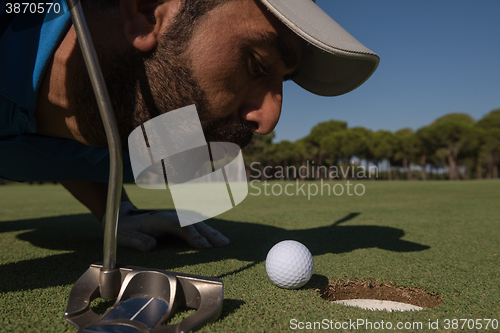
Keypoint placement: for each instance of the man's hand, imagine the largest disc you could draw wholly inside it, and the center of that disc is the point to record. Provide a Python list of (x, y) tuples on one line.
[(137, 229)]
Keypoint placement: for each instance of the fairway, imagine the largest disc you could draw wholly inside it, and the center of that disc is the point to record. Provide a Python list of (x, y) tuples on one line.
[(442, 237)]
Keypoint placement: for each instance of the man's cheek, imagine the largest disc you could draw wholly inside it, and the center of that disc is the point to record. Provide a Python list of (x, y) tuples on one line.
[(225, 87), (223, 102)]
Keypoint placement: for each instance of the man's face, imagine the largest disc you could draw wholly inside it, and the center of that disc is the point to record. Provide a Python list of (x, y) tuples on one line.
[(240, 55), (232, 68)]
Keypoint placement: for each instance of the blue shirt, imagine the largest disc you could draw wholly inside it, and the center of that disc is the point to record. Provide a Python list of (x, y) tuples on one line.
[(27, 45)]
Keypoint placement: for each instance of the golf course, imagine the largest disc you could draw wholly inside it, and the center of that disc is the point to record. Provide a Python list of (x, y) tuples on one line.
[(440, 238)]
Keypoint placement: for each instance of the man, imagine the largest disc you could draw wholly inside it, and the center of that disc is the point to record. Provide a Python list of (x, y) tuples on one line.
[(229, 57)]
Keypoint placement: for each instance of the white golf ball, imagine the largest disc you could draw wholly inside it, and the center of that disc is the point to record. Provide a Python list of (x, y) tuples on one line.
[(289, 264)]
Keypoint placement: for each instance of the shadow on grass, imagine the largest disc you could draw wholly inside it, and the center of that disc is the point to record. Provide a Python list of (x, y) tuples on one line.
[(316, 282), (230, 306), (79, 238)]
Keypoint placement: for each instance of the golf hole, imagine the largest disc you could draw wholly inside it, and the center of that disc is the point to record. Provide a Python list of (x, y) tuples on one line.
[(374, 295)]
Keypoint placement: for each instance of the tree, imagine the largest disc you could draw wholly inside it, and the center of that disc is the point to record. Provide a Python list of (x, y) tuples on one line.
[(383, 146), (261, 150), (407, 148), (364, 151), (344, 145), (331, 146), (321, 130), (489, 126), (450, 133), (286, 155), (470, 152), (305, 151), (426, 147)]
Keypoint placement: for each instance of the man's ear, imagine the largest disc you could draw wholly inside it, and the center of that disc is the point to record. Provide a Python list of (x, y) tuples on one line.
[(145, 20)]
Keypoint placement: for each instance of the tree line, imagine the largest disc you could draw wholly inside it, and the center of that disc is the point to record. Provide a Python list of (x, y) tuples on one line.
[(453, 147)]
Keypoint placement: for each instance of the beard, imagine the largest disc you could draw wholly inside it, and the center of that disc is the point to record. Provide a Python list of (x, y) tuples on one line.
[(143, 85)]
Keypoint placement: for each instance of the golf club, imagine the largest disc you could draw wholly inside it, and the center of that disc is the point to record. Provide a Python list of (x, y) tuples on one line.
[(145, 298)]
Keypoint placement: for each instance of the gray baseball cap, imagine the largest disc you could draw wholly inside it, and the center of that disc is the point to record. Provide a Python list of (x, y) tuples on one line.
[(333, 62)]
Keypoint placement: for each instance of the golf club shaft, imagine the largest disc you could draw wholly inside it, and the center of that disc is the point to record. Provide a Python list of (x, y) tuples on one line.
[(108, 119)]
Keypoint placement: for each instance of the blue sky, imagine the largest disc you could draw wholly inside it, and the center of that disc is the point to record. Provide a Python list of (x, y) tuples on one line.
[(437, 57)]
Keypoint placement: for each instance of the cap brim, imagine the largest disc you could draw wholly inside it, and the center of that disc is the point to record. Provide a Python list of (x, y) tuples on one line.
[(333, 62)]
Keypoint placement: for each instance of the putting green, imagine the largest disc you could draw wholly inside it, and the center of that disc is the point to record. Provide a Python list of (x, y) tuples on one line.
[(441, 237)]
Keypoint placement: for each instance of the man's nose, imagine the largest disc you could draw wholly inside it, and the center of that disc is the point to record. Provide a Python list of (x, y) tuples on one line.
[(262, 108)]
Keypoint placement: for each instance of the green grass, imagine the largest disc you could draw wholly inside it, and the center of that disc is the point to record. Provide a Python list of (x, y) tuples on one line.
[(439, 236)]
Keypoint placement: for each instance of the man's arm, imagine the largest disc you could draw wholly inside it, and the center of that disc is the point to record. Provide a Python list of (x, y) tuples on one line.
[(138, 228), (91, 194)]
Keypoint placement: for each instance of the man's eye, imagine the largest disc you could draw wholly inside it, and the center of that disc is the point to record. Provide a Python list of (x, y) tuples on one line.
[(256, 67)]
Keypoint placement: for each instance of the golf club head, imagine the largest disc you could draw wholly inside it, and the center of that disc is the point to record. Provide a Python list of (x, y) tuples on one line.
[(148, 298)]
